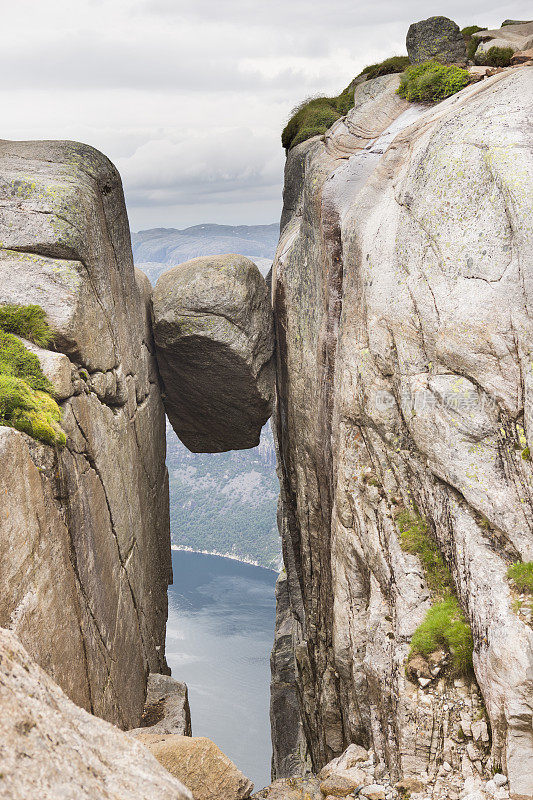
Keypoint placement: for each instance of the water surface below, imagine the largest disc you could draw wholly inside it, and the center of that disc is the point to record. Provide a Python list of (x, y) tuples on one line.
[(219, 636)]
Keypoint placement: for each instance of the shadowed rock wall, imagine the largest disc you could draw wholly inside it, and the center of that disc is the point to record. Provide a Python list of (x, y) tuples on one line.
[(84, 544)]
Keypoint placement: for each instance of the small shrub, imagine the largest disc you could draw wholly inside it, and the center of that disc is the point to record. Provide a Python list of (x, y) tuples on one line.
[(25, 393), (316, 115), (432, 81), (521, 574), (472, 43), (26, 321), (526, 454), (496, 57), (415, 539), (445, 627), (312, 117)]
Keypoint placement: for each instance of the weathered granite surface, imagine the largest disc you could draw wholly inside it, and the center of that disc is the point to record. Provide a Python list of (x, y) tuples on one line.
[(166, 709), (200, 764), (84, 532), (213, 330), (53, 750), (403, 301)]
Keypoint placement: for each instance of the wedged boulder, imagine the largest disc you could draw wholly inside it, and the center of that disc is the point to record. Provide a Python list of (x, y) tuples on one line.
[(51, 748), (213, 332), (201, 765), (518, 37), (436, 39), (167, 707)]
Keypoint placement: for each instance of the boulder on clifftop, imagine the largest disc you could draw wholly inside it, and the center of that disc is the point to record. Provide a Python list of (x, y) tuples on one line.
[(436, 39), (213, 331)]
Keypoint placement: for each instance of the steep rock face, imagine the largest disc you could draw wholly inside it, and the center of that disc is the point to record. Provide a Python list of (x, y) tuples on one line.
[(84, 537), (51, 749), (213, 331), (402, 295)]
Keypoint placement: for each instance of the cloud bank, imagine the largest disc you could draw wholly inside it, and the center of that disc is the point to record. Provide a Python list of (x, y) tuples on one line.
[(188, 99)]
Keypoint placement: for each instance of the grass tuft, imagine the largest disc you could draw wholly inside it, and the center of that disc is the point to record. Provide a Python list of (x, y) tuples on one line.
[(415, 539), (387, 67), (445, 626), (28, 322), (315, 115), (521, 574), (432, 82), (25, 393)]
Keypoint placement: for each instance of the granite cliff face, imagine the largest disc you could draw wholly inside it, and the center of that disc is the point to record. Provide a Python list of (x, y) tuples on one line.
[(84, 545), (402, 291)]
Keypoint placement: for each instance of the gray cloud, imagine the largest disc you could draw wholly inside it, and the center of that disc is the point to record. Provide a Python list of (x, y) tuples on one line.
[(189, 98)]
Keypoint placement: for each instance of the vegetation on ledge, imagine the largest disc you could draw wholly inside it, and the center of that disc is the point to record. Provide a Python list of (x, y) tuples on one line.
[(472, 44), (444, 625), (314, 116), (496, 57), (26, 321), (415, 539), (521, 574), (25, 393), (432, 82)]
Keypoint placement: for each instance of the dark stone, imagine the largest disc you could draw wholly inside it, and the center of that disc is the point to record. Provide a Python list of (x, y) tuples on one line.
[(436, 39)]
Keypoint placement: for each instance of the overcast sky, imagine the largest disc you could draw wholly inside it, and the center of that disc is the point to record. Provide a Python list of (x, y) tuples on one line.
[(188, 98)]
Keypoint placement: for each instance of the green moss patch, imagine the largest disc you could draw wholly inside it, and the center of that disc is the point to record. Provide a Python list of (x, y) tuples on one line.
[(415, 539), (495, 57), (444, 625), (316, 115), (25, 393), (521, 574), (432, 82)]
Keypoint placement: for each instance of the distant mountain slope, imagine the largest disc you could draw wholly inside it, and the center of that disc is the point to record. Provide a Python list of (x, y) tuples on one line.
[(225, 502), (158, 248)]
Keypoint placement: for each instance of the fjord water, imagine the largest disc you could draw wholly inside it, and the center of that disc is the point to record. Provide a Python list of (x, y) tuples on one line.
[(219, 636)]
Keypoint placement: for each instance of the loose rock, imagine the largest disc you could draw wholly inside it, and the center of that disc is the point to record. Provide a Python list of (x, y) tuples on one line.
[(436, 39), (200, 765)]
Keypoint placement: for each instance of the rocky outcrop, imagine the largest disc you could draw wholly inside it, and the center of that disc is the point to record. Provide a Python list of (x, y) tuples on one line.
[(201, 765), (51, 749), (167, 707), (213, 331), (518, 37), (404, 383), (84, 532), (436, 39)]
